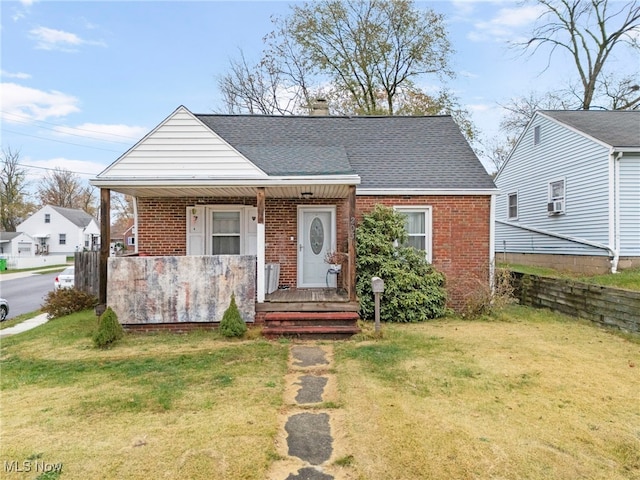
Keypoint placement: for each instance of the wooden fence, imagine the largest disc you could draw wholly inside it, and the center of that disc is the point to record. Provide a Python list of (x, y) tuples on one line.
[(611, 307), (87, 278)]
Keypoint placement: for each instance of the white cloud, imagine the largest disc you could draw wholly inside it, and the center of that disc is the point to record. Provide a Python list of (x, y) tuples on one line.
[(505, 25), (18, 75), (35, 104), (27, 3), (51, 39), (114, 133)]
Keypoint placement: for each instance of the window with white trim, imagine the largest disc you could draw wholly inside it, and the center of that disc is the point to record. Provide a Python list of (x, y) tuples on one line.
[(557, 197), (512, 206), (221, 230), (62, 239), (225, 233), (418, 227), (47, 218)]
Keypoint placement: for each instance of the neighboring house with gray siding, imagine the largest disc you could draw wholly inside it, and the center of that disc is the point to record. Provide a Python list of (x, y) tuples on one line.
[(570, 192)]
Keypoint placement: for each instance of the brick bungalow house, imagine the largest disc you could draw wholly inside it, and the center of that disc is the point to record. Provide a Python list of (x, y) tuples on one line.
[(217, 195)]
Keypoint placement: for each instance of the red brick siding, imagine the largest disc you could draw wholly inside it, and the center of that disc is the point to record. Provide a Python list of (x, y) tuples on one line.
[(460, 227), (460, 237)]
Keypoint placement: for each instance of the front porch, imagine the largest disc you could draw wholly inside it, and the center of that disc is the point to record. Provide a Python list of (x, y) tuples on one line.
[(308, 313)]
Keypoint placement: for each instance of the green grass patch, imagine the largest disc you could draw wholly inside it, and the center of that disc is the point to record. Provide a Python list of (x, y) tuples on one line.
[(628, 279)]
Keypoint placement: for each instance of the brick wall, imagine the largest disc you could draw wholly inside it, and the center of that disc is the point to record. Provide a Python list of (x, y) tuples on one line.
[(460, 232), (460, 238)]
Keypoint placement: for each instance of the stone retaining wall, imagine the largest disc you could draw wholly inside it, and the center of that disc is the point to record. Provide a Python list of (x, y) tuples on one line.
[(611, 307)]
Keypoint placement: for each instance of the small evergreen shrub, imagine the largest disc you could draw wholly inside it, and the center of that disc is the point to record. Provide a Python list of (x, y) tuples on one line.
[(66, 301), (413, 290), (109, 329), (232, 324)]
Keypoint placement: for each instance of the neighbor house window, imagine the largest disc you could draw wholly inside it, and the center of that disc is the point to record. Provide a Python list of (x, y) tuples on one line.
[(47, 218), (131, 241), (63, 239), (513, 205), (536, 135), (418, 226), (557, 196), (225, 233)]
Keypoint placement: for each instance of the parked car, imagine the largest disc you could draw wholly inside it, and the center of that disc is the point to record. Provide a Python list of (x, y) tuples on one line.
[(4, 309), (66, 279)]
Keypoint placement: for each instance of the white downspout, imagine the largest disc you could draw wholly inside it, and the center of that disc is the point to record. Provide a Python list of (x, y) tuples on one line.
[(492, 241), (616, 207)]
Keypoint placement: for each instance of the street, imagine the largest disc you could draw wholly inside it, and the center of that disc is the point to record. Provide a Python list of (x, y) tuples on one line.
[(26, 294)]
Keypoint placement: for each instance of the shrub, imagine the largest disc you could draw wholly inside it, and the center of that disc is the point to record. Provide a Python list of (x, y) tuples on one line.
[(232, 324), (66, 301), (414, 290), (109, 329), (478, 298)]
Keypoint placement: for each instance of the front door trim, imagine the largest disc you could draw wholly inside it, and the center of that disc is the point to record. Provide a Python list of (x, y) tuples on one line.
[(302, 241)]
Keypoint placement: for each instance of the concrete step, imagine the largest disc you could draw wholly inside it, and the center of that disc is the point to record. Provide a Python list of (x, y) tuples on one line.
[(330, 332)]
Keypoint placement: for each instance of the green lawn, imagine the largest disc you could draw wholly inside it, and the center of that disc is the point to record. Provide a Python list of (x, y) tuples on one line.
[(524, 394), (628, 279)]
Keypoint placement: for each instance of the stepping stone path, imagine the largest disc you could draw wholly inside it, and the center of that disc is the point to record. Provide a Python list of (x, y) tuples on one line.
[(306, 443)]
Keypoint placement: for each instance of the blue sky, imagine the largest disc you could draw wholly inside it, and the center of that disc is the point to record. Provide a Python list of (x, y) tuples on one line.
[(82, 81)]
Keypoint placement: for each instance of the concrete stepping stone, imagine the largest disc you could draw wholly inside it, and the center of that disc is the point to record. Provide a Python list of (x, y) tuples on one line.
[(309, 473), (311, 390), (308, 356), (309, 437)]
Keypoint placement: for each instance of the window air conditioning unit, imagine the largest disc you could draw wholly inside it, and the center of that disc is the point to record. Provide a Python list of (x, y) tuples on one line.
[(555, 207)]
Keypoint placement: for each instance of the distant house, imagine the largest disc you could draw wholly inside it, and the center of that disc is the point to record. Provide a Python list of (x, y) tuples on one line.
[(570, 192), (123, 239), (61, 230), (252, 205), (17, 244)]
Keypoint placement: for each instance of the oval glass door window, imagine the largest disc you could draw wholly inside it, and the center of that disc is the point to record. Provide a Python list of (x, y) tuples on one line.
[(316, 235)]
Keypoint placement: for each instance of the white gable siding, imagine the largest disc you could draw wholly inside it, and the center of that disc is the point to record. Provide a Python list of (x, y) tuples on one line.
[(560, 154), (182, 147), (630, 206)]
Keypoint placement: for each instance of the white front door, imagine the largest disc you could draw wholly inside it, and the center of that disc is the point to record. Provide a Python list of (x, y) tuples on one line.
[(316, 237)]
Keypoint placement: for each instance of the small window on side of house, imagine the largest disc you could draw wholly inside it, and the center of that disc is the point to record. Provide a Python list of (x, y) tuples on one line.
[(557, 197), (131, 241), (513, 206), (47, 218), (62, 239), (536, 135)]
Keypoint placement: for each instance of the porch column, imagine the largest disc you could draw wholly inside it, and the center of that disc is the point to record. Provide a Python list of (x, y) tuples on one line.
[(260, 286), (105, 238), (351, 244)]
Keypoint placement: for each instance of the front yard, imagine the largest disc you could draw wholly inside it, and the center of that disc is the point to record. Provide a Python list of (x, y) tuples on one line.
[(526, 394)]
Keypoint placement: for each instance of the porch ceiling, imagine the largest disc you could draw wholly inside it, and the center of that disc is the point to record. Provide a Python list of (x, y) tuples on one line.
[(280, 191)]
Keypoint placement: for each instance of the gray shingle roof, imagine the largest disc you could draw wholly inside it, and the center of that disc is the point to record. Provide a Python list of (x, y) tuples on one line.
[(615, 128), (7, 236), (77, 217), (386, 152)]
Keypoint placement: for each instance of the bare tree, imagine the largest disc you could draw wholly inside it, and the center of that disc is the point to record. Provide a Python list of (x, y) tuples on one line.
[(14, 204), (63, 188), (589, 31)]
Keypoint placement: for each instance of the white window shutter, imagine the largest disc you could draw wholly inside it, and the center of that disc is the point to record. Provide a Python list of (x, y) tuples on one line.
[(195, 230), (251, 231)]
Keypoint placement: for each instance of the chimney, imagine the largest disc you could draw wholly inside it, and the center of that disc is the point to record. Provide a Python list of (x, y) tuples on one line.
[(319, 108)]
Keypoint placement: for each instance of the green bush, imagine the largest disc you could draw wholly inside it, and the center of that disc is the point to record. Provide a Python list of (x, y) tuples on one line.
[(109, 329), (65, 301), (413, 289), (232, 324)]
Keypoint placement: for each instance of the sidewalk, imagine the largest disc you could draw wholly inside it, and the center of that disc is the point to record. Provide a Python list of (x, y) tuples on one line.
[(24, 326)]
